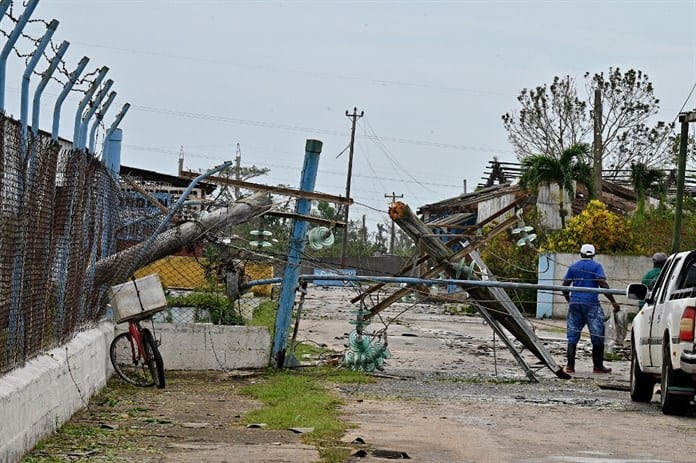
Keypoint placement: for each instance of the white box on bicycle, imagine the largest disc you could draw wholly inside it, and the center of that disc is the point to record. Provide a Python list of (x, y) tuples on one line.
[(137, 299)]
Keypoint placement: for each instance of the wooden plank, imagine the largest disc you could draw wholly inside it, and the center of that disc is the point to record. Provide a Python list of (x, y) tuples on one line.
[(271, 189)]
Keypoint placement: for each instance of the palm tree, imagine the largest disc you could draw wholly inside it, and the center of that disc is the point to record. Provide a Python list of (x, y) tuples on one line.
[(645, 180), (570, 166)]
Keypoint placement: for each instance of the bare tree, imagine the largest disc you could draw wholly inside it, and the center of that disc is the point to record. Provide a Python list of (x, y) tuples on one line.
[(551, 120), (554, 118), (628, 102)]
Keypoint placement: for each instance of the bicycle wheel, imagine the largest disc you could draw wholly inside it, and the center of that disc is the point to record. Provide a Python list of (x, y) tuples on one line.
[(129, 362), (154, 358)]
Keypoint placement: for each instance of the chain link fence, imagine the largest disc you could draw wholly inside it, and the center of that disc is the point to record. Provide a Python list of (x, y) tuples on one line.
[(56, 221)]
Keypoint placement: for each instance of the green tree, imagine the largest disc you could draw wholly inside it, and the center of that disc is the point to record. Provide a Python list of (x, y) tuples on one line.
[(646, 180), (570, 166)]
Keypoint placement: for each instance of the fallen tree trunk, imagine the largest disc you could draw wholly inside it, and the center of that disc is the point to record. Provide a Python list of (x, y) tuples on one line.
[(118, 267)]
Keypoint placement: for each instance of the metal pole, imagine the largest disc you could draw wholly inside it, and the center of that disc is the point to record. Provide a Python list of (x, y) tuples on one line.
[(90, 112), (107, 157), (11, 40), (98, 119), (64, 93), (26, 79), (36, 107), (81, 107), (354, 117), (297, 243), (444, 281)]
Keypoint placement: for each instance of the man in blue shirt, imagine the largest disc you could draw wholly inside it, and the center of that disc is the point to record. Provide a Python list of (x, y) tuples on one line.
[(584, 308)]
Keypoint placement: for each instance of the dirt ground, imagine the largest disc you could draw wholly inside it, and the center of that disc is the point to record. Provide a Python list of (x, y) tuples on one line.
[(449, 393)]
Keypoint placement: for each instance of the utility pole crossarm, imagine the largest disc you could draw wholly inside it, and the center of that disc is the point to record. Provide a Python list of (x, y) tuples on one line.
[(271, 189)]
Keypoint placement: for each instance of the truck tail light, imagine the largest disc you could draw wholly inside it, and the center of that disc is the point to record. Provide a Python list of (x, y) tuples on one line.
[(686, 325)]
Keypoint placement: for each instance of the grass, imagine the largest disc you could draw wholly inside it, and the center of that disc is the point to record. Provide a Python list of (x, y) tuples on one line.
[(265, 315), (301, 399)]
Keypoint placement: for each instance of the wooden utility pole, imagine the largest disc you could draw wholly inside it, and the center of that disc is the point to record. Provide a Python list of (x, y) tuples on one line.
[(393, 196), (238, 171), (353, 117), (598, 149)]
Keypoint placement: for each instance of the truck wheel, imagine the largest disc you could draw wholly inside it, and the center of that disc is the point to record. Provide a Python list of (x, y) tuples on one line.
[(642, 385), (674, 400)]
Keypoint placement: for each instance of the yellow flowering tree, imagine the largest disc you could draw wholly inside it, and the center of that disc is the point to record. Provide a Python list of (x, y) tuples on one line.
[(610, 233)]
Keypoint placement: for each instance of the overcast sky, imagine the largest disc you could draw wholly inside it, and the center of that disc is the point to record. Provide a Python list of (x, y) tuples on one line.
[(433, 79)]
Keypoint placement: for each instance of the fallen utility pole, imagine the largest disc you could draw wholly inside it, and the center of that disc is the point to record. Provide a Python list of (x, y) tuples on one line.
[(178, 237), (506, 315)]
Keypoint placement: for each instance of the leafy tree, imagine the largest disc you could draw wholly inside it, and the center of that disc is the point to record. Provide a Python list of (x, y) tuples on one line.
[(646, 180), (570, 166), (553, 118), (326, 211)]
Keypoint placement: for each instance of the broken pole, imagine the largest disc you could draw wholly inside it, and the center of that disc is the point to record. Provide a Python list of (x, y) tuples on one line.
[(297, 243), (110, 269), (508, 317)]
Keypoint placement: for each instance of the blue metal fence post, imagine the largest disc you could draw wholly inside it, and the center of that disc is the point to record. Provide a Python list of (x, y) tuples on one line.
[(546, 269), (45, 78), (90, 112), (297, 243), (98, 119), (64, 93), (83, 103), (26, 80), (112, 159), (9, 45)]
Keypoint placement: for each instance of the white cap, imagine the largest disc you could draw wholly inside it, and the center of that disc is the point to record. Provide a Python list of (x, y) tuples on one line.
[(587, 250)]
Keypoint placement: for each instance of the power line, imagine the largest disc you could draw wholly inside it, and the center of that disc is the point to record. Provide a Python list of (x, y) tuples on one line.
[(296, 128)]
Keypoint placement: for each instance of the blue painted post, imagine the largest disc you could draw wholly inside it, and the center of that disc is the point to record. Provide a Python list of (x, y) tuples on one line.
[(545, 273), (297, 243), (11, 40), (98, 119), (112, 151), (83, 104), (90, 112), (64, 93), (45, 78), (114, 164), (26, 79)]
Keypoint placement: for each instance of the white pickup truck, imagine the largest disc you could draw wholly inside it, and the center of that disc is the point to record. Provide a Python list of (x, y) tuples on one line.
[(662, 336)]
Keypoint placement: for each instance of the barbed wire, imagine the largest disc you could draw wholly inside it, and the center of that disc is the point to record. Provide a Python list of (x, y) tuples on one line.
[(26, 49)]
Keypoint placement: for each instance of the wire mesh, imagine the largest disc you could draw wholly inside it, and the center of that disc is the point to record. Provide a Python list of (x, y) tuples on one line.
[(55, 222)]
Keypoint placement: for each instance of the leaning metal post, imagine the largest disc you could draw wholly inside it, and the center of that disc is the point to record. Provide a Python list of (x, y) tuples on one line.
[(297, 243)]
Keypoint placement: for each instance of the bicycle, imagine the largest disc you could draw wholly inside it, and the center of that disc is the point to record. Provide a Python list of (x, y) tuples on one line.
[(136, 357), (134, 354)]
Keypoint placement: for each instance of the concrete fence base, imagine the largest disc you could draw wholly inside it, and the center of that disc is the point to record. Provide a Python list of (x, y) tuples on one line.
[(37, 399)]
